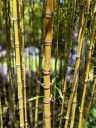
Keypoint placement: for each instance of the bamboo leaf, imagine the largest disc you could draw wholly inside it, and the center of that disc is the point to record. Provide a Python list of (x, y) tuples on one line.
[(34, 98), (59, 91)]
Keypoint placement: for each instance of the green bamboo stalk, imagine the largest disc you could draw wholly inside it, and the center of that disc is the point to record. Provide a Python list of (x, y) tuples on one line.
[(66, 58), (7, 35), (56, 59), (18, 62), (37, 73), (4, 40), (80, 42), (30, 79), (87, 69)]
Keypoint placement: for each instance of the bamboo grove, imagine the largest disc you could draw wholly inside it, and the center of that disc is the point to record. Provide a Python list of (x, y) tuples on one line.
[(47, 64)]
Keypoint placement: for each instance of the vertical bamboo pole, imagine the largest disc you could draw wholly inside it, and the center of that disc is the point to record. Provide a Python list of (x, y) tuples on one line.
[(90, 100), (46, 70), (80, 42), (56, 59), (18, 62), (1, 116), (8, 45), (30, 76), (2, 83), (23, 58), (39, 73), (87, 68), (73, 110), (3, 31), (66, 58)]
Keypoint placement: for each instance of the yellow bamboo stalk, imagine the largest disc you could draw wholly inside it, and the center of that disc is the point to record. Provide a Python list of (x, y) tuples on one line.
[(46, 71), (23, 58), (18, 62), (90, 100), (74, 104), (77, 63), (87, 69)]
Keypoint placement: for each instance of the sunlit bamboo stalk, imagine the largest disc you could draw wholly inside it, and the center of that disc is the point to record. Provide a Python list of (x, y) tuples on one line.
[(22, 25), (47, 54), (18, 62)]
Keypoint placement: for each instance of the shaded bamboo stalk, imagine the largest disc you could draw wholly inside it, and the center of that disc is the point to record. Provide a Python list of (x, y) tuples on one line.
[(39, 74), (8, 46), (47, 54), (56, 60), (83, 23), (18, 62), (1, 93), (30, 77), (1, 115), (3, 31), (66, 58), (87, 69), (12, 55)]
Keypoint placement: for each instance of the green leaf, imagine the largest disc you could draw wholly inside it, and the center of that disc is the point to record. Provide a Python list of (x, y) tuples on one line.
[(59, 91), (34, 98)]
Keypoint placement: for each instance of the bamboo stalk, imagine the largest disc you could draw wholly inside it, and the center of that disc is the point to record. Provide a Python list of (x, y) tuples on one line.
[(87, 69), (90, 100), (23, 59), (80, 42), (74, 104), (30, 77), (1, 115), (37, 73), (46, 71), (3, 31), (7, 35), (56, 60), (18, 62), (66, 58)]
